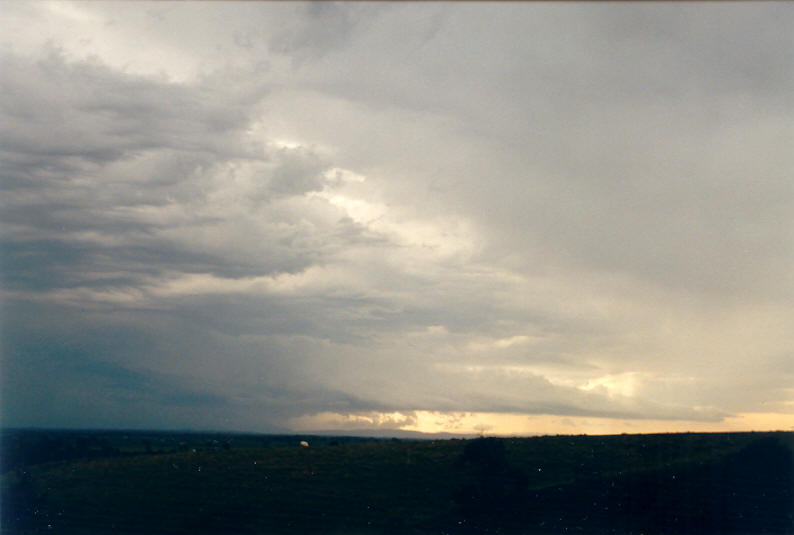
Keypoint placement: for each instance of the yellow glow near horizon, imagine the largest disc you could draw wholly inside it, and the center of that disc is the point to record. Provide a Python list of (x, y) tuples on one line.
[(546, 424), (465, 423)]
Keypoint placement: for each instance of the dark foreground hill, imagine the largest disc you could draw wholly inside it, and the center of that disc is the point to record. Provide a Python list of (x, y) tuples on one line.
[(739, 483)]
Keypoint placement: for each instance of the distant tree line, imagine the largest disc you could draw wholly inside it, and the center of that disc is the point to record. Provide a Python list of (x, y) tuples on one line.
[(27, 447), (20, 451)]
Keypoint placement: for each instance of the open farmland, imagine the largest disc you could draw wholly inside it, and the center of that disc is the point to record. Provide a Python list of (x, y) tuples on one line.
[(672, 483)]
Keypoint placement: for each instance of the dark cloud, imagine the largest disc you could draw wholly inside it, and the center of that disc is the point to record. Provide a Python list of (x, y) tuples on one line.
[(340, 208), (108, 172), (88, 112), (298, 172)]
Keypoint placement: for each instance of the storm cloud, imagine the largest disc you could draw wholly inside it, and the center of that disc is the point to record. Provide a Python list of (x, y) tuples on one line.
[(267, 216)]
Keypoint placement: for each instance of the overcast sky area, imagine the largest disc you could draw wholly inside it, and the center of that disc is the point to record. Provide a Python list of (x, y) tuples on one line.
[(500, 218)]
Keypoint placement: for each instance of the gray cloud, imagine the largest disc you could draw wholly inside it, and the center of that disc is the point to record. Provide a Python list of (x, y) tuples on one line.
[(607, 142), (572, 210)]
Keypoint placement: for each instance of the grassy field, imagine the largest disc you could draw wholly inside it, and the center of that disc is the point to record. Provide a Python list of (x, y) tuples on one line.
[(211, 483)]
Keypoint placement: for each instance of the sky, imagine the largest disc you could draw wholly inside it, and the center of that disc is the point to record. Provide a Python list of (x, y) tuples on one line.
[(495, 218)]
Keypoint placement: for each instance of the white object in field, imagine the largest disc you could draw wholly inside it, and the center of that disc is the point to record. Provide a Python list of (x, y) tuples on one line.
[(304, 444)]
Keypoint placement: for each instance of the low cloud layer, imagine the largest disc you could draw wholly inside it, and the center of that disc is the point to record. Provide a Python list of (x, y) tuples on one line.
[(342, 215)]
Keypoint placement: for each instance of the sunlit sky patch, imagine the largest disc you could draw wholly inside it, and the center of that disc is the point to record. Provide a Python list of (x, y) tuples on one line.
[(468, 218)]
